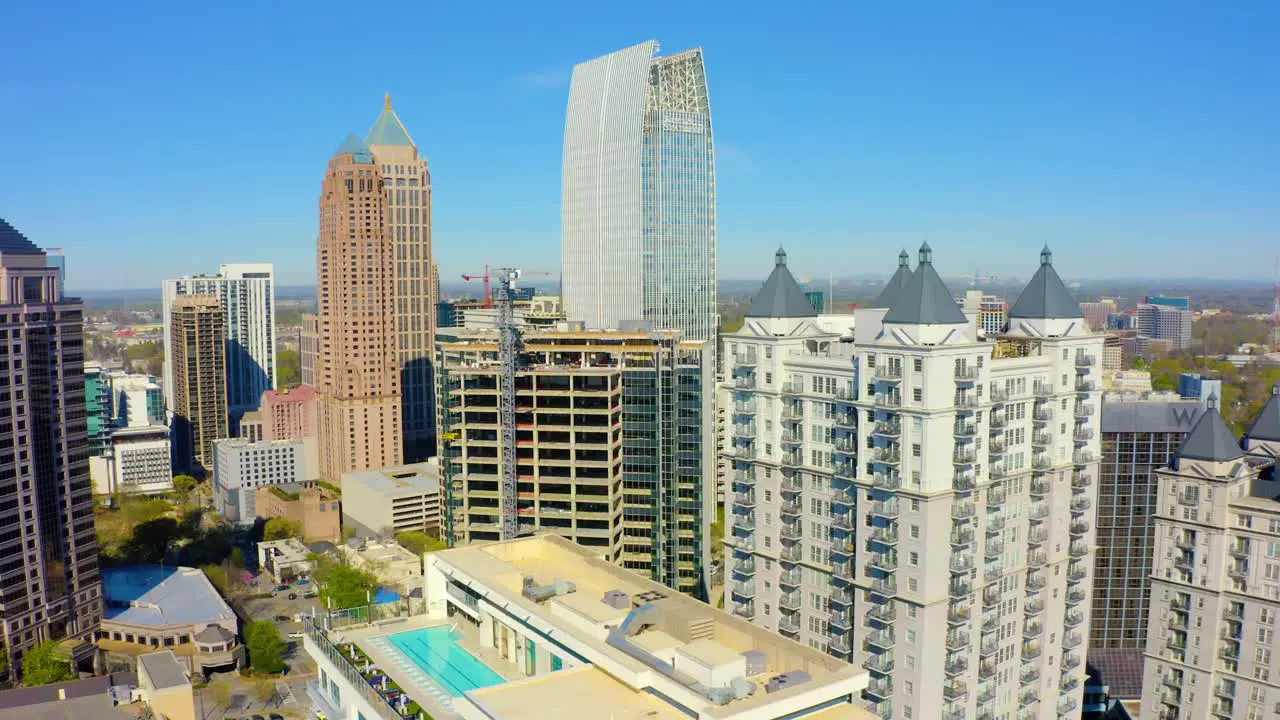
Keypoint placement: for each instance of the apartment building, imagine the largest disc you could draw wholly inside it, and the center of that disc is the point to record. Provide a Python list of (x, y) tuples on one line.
[(197, 338), (920, 501), (1215, 584), (1168, 323), (993, 313), (608, 447)]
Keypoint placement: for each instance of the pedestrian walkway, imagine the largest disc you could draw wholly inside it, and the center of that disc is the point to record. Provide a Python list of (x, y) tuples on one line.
[(285, 692)]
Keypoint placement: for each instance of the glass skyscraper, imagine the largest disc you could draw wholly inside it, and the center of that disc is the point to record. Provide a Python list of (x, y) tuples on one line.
[(638, 210)]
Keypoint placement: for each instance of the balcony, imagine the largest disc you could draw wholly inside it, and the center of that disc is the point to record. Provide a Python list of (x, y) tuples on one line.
[(790, 601), (886, 373), (884, 587), (744, 522), (744, 430), (884, 535), (1070, 661), (1029, 675), (1082, 457), (888, 400), (885, 509), (958, 613), (1070, 684), (1036, 557), (881, 640), (986, 669), (791, 459), (1030, 650), (844, 548), (1084, 409), (994, 522), (1036, 581), (964, 456), (961, 563), (1079, 527), (988, 647), (1041, 438), (1033, 607), (791, 484), (1185, 541), (839, 643), (846, 393), (843, 570), (1067, 706), (745, 566), (1240, 549), (886, 481), (883, 562), (1080, 504), (966, 373), (998, 394), (745, 590), (745, 382), (998, 420), (968, 401), (998, 471), (1082, 434), (1079, 480), (1042, 389), (879, 690), (744, 452), (847, 421), (790, 578), (1074, 619), (792, 387), (883, 613), (793, 411), (963, 510), (961, 588), (790, 531), (744, 500), (991, 595), (744, 610), (1038, 512), (1075, 597), (791, 508), (842, 522), (887, 428), (789, 625), (1072, 640), (965, 429), (958, 639), (1076, 572), (955, 665), (1041, 461), (745, 477), (882, 664), (791, 437), (886, 455), (745, 407), (1085, 361), (962, 536), (955, 690), (1084, 385), (1042, 415)]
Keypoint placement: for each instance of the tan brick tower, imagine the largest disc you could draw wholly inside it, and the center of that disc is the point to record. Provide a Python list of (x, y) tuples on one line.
[(357, 371)]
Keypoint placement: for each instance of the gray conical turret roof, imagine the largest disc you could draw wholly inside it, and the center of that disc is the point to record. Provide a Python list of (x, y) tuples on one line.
[(780, 296), (925, 299), (893, 289), (1210, 439), (1267, 425), (1045, 296)]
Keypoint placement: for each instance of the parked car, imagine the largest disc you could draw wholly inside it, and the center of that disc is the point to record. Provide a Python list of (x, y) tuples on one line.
[(295, 636), (310, 594), (283, 618)]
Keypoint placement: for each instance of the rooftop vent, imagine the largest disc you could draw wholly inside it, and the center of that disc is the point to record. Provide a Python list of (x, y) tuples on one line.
[(785, 680), (541, 593)]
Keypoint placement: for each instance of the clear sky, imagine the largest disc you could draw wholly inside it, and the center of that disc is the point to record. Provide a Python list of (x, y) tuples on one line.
[(155, 138)]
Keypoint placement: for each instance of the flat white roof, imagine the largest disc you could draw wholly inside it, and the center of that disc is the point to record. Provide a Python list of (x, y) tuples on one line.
[(417, 478)]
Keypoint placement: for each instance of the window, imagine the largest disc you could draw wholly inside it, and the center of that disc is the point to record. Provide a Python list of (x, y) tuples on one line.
[(915, 532), (768, 352), (917, 364), (915, 450), (917, 394), (913, 558)]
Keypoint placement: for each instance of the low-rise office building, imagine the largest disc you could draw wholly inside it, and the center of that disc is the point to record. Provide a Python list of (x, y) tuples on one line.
[(390, 562), (241, 467), (285, 560), (387, 501), (153, 607), (164, 686), (558, 632), (315, 506)]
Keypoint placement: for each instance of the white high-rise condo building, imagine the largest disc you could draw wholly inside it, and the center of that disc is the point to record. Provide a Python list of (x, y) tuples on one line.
[(639, 194), (247, 294), (1215, 583), (919, 500)]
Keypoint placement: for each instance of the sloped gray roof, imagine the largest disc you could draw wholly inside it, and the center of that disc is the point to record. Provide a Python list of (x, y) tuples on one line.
[(893, 289), (780, 296), (1210, 439), (1045, 296), (213, 634), (925, 299), (1267, 425)]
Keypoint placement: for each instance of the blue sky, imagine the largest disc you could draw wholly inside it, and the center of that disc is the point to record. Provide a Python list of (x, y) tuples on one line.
[(155, 138)]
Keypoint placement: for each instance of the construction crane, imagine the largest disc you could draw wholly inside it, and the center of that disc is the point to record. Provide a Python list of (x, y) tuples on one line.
[(493, 273), (508, 349)]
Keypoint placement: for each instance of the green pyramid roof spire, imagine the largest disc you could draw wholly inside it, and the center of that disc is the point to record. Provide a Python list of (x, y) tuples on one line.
[(354, 145), (387, 129)]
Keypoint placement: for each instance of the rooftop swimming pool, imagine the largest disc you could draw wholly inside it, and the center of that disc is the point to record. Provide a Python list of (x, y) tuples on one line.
[(436, 652)]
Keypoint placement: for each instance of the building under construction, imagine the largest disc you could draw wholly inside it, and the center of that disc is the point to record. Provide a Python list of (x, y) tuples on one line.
[(607, 448)]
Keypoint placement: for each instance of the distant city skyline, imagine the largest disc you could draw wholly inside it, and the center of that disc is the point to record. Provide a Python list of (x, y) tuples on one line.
[(843, 140)]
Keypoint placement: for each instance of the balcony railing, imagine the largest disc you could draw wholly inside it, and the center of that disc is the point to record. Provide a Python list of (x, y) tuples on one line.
[(966, 373), (890, 400), (886, 481), (887, 509), (888, 428), (792, 387), (887, 373)]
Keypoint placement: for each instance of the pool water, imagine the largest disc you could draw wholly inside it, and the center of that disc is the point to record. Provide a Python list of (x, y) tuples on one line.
[(436, 651)]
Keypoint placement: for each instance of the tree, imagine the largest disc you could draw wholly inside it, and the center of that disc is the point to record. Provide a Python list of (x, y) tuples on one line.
[(184, 484), (266, 649), (418, 542), (289, 368), (279, 528), (44, 664), (348, 587), (237, 558)]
